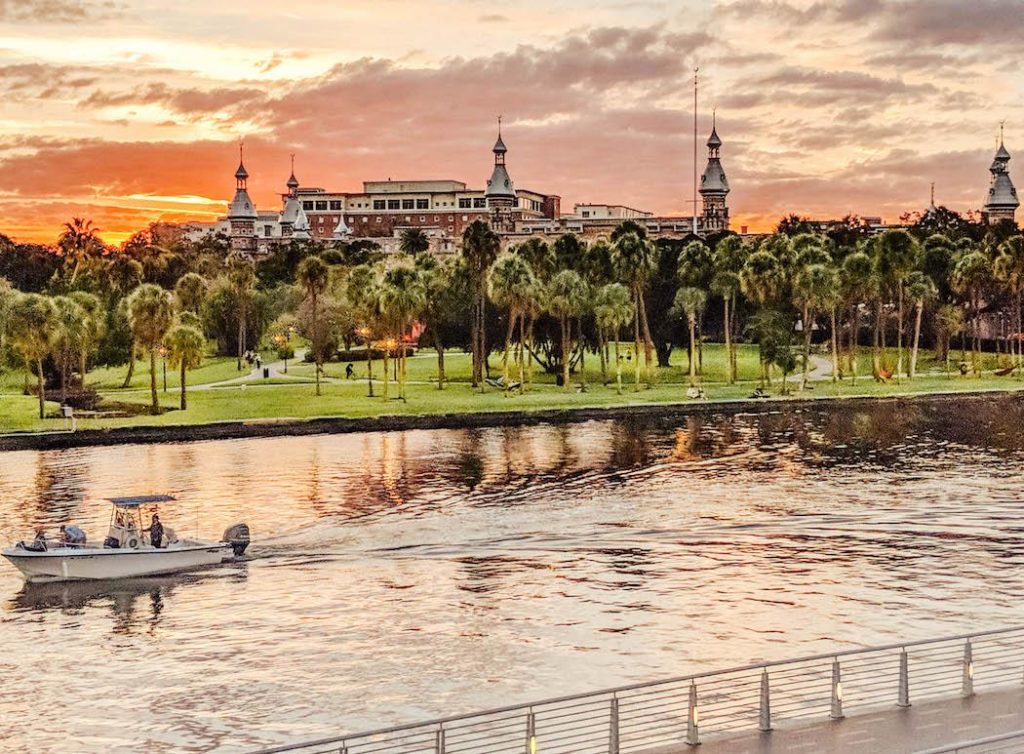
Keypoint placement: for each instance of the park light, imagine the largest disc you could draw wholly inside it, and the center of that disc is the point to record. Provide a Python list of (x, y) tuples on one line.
[(162, 351)]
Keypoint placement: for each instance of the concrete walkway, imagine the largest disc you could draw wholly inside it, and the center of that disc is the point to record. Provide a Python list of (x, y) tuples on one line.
[(892, 730), (256, 375)]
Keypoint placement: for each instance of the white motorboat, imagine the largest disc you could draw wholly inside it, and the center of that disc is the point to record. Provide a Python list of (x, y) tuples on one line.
[(128, 550)]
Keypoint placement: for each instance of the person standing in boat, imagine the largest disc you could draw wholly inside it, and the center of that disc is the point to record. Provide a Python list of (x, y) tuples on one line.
[(156, 531)]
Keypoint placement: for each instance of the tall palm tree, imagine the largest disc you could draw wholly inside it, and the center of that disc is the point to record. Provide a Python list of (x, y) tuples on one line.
[(445, 286), (242, 276), (897, 254), (690, 302), (971, 277), (150, 313), (31, 320), (78, 242), (726, 263), (313, 277), (512, 287), (635, 258), (190, 291), (815, 289), (186, 347), (921, 291), (414, 241), (480, 247), (402, 298), (1009, 270), (94, 327), (762, 281), (69, 332), (567, 298), (614, 308), (694, 270), (857, 286), (363, 292)]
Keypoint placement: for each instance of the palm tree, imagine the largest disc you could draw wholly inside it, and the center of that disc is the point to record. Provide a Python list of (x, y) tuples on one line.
[(402, 298), (480, 247), (690, 302), (31, 320), (446, 291), (694, 270), (69, 332), (762, 281), (635, 258), (513, 287), (948, 323), (94, 327), (1009, 270), (186, 347), (971, 276), (150, 313), (857, 285), (190, 291), (614, 308), (313, 276), (921, 291), (414, 241), (897, 254), (78, 242), (567, 298), (242, 276), (363, 293), (726, 263), (122, 274), (815, 289)]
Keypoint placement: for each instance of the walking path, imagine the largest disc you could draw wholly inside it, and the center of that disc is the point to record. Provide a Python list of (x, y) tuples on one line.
[(891, 730), (276, 371)]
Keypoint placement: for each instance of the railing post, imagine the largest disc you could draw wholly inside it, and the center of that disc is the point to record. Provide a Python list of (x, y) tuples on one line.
[(837, 691), (343, 749), (764, 719), (531, 733), (439, 741), (613, 727), (903, 698), (968, 677), (692, 718)]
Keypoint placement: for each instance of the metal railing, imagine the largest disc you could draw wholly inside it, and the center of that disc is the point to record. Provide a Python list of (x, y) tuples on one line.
[(681, 710), (1008, 743)]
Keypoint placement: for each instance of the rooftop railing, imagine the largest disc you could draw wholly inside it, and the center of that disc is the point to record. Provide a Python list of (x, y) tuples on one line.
[(1009, 743), (683, 710)]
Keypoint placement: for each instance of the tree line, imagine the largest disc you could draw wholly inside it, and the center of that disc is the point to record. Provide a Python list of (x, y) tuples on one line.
[(538, 304)]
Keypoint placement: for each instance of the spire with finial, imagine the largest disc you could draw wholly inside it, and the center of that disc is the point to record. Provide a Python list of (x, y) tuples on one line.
[(293, 182), (1002, 201), (241, 175), (499, 147), (500, 191), (241, 206)]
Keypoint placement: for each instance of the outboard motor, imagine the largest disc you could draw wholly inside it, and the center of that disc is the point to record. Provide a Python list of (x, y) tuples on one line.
[(238, 536)]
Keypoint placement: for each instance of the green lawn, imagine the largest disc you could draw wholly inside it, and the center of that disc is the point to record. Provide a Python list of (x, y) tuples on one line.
[(283, 399)]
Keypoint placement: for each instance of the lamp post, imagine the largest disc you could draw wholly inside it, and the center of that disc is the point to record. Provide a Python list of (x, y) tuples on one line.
[(364, 333), (163, 355)]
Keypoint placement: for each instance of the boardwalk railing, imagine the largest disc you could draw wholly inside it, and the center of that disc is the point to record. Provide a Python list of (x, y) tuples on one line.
[(1009, 743), (681, 710)]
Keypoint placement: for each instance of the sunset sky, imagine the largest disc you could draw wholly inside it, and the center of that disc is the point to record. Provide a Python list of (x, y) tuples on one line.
[(130, 111)]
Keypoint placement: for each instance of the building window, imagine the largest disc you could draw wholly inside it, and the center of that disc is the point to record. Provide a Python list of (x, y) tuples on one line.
[(437, 219), (366, 219), (335, 204), (465, 203), (479, 202), (408, 204), (423, 218), (321, 206), (586, 213), (267, 231), (307, 205), (379, 219), (394, 204), (379, 204), (465, 218), (422, 204), (451, 218), (408, 219)]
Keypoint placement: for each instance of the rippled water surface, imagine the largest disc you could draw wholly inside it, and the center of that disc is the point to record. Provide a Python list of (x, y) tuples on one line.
[(405, 575)]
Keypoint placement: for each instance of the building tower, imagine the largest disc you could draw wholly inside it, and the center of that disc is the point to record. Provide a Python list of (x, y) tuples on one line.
[(242, 213), (714, 188), (500, 194), (292, 205), (1001, 202)]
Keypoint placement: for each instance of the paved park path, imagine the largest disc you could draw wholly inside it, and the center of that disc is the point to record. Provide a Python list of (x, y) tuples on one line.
[(891, 730)]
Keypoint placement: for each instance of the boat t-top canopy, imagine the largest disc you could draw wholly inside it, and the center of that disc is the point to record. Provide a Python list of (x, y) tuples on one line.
[(136, 501)]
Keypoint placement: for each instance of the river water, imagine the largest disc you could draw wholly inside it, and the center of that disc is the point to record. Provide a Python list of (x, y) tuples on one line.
[(398, 576)]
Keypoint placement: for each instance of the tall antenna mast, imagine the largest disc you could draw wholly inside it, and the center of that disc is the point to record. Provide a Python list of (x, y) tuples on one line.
[(933, 193), (696, 70)]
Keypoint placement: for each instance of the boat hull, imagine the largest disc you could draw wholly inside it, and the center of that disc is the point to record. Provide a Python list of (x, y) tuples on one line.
[(67, 564)]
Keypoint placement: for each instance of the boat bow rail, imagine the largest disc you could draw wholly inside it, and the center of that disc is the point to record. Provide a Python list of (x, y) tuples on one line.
[(681, 710)]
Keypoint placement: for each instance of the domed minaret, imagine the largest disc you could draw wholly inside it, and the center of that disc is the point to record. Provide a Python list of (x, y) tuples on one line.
[(1001, 202), (292, 205), (500, 194), (714, 187), (242, 213)]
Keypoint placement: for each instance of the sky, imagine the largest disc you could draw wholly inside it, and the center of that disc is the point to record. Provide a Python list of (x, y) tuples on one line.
[(129, 112)]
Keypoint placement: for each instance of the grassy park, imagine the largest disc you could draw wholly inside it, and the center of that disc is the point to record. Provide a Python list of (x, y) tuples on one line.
[(293, 396)]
